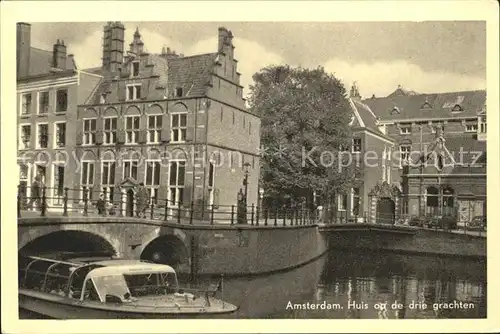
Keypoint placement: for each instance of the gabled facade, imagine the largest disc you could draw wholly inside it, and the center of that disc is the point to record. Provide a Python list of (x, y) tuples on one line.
[(176, 123), (49, 88)]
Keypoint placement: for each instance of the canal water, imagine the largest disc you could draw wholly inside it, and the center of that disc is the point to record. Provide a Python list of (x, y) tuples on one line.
[(354, 285)]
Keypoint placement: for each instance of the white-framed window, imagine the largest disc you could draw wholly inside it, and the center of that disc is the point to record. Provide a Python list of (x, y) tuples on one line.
[(211, 182), (405, 129), (133, 92), (43, 103), (109, 132), (108, 178), (471, 128), (154, 128), (342, 202), (42, 135), (356, 145), (152, 179), (404, 153), (179, 126), (130, 168), (178, 92), (87, 178), (89, 131), (134, 69), (132, 129), (177, 171), (24, 136), (384, 172), (26, 100), (58, 184), (355, 200), (59, 134), (61, 100), (24, 181), (41, 170)]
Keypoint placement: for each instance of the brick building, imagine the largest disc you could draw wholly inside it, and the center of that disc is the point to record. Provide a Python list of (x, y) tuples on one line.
[(49, 88), (177, 123), (435, 129)]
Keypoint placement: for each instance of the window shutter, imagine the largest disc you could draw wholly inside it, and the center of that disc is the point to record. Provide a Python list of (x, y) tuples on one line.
[(190, 127), (121, 90), (165, 130), (187, 196), (142, 136)]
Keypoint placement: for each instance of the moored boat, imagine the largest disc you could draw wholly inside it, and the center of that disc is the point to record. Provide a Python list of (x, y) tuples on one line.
[(111, 289)]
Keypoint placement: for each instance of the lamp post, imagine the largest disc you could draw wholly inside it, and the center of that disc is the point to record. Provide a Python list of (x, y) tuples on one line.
[(259, 207), (246, 171)]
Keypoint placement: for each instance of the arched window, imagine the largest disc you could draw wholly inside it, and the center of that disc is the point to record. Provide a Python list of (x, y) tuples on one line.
[(432, 201)]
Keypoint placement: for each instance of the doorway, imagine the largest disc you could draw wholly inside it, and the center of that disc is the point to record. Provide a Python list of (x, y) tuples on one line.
[(130, 203)]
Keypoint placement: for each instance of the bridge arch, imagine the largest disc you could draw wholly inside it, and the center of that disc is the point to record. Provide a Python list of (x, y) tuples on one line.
[(59, 240), (167, 249)]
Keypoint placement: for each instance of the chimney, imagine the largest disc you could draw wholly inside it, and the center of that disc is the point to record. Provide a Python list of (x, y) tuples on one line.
[(112, 48), (354, 94), (23, 33), (226, 41), (59, 55)]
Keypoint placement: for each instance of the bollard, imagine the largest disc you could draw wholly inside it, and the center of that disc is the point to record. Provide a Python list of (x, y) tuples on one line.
[(44, 199), (232, 214), (191, 213), (212, 214), (179, 212), (18, 200), (165, 214), (85, 202), (276, 217), (65, 199), (152, 210), (252, 215), (266, 213), (284, 217), (291, 218)]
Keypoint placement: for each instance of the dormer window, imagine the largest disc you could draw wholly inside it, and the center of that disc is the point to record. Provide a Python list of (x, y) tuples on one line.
[(102, 99), (426, 106), (395, 110), (178, 92), (471, 128), (133, 92), (405, 129), (456, 109), (135, 69)]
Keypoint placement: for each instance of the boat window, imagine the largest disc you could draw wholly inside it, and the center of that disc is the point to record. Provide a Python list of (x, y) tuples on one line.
[(90, 292), (111, 285), (56, 278), (169, 279), (35, 274)]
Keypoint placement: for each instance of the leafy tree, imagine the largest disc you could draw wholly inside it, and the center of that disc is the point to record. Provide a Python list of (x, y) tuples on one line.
[(303, 111)]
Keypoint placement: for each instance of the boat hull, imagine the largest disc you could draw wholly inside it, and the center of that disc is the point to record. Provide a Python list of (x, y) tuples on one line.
[(62, 309)]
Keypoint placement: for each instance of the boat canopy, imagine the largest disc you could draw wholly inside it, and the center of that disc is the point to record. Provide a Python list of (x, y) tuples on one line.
[(128, 267)]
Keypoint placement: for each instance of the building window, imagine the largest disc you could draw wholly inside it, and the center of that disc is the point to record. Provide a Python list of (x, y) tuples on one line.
[(342, 202), (135, 69), (483, 127), (448, 202), (176, 182), (25, 140), (178, 92), (62, 101), (154, 128), (355, 199), (211, 183), (356, 145), (60, 133), (153, 179), (133, 92), (384, 172), (41, 170), (43, 135), (26, 104), (132, 129), (87, 180), (404, 130), (24, 182), (179, 127), (89, 131), (102, 99), (130, 169), (432, 201), (110, 130), (471, 128), (43, 103), (108, 179), (404, 152), (58, 184)]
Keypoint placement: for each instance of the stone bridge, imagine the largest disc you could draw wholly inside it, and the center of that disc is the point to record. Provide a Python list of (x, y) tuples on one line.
[(190, 248)]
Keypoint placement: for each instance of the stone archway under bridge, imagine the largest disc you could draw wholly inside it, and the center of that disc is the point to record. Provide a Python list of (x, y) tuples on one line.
[(385, 201)]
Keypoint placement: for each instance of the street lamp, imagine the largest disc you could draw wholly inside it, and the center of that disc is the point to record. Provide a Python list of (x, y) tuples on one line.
[(260, 204), (246, 171)]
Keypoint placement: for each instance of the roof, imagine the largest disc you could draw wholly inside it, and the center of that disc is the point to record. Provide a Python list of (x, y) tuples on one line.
[(428, 106), (41, 62), (364, 117), (124, 267), (192, 73)]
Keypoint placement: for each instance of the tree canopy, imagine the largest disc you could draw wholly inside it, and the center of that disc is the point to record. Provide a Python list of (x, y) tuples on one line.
[(305, 119)]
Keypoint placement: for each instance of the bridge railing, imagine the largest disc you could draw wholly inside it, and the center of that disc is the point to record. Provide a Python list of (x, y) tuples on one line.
[(88, 202)]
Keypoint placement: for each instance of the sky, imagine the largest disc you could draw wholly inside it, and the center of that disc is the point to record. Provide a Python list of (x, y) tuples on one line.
[(426, 57)]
